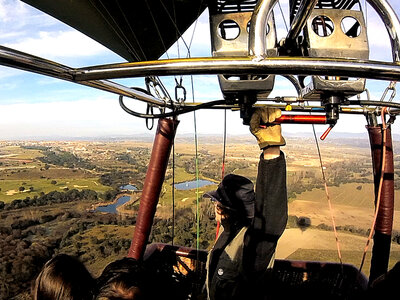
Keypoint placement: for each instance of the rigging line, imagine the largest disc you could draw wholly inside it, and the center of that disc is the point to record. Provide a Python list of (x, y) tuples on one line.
[(131, 29), (379, 196), (117, 30), (224, 148), (223, 168), (329, 200), (158, 30), (178, 35), (326, 185), (174, 22), (194, 28), (197, 174), (173, 190), (283, 16), (366, 13)]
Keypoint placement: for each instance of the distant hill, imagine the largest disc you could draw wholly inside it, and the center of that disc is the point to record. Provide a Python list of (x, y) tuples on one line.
[(338, 137)]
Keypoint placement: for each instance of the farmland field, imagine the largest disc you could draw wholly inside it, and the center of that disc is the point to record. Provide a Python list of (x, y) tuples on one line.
[(80, 175), (11, 189)]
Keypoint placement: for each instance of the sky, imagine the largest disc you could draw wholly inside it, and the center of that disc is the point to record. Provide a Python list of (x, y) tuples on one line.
[(36, 106)]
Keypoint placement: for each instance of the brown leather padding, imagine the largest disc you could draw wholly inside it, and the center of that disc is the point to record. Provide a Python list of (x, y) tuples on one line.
[(384, 222), (152, 185)]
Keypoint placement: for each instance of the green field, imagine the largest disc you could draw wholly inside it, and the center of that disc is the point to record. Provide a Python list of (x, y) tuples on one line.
[(23, 175), (10, 189)]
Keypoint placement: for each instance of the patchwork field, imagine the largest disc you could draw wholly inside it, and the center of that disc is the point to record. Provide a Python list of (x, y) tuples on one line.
[(17, 189), (320, 245), (32, 170)]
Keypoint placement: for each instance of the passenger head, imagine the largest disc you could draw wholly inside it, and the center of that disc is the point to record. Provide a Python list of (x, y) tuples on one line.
[(64, 278), (234, 198), (122, 279)]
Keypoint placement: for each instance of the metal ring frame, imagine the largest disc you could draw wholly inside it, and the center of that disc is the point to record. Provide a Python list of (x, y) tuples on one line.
[(256, 63)]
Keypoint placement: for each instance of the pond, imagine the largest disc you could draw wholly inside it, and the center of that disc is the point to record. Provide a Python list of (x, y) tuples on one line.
[(112, 208), (188, 185), (128, 187)]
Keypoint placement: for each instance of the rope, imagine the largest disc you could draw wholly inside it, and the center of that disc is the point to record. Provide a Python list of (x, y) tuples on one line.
[(173, 20), (132, 32), (223, 169), (283, 16), (197, 172), (117, 30), (378, 201), (173, 193), (328, 199), (224, 148), (157, 28)]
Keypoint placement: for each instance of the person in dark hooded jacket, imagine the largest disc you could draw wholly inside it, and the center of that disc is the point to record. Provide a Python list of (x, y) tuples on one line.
[(252, 222)]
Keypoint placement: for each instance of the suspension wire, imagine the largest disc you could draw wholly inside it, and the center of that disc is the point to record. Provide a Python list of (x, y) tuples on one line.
[(197, 173), (283, 15), (158, 30), (173, 191), (133, 33), (178, 34), (116, 29), (173, 20), (378, 201), (177, 29), (223, 168), (224, 148), (194, 28), (366, 12), (329, 199)]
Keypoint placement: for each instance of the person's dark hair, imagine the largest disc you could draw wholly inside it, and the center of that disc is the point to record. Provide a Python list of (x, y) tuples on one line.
[(122, 279), (64, 278)]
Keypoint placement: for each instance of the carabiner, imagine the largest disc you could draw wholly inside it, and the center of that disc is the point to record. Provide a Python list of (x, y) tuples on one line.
[(391, 87), (178, 87)]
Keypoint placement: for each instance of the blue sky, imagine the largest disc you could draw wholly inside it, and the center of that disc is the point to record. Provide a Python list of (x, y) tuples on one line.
[(33, 105)]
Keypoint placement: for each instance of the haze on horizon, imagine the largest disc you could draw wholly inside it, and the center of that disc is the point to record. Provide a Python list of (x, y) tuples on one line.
[(33, 105)]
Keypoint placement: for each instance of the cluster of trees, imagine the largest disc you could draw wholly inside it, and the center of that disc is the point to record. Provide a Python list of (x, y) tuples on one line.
[(127, 158), (65, 159), (184, 228), (25, 246), (359, 231), (41, 148), (28, 243), (20, 261), (210, 166), (118, 178)]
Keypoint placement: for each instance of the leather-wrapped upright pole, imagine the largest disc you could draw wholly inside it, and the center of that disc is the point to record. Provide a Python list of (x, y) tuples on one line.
[(384, 221), (155, 175)]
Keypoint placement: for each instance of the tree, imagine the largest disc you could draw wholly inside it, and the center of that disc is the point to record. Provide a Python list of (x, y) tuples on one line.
[(21, 189)]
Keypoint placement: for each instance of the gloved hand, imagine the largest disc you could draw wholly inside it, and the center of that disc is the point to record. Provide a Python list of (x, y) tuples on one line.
[(270, 135)]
